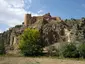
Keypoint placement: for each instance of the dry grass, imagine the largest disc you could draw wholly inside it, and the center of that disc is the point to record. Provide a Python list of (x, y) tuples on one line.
[(43, 60)]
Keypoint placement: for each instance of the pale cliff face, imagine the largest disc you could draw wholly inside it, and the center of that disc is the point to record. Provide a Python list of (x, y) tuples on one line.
[(68, 35)]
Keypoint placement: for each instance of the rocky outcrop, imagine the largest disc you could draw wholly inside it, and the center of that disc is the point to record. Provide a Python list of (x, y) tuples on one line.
[(52, 30), (10, 37)]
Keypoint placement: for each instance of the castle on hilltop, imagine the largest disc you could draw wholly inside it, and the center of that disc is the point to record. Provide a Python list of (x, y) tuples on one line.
[(30, 20), (53, 31)]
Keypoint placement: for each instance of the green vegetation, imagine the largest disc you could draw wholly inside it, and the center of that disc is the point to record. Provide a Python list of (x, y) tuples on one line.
[(81, 49), (18, 26), (69, 50), (2, 48), (72, 50), (30, 44), (52, 51)]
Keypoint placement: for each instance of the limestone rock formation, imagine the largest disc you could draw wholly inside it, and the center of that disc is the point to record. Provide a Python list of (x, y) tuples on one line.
[(52, 30), (10, 37)]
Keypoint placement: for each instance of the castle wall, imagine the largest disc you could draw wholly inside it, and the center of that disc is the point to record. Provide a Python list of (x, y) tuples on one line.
[(39, 18), (33, 20), (28, 20)]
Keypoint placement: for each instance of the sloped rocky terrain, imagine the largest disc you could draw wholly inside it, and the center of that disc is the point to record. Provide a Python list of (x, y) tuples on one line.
[(52, 30)]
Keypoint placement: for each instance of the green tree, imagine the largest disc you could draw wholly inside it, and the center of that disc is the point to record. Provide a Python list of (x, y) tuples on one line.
[(30, 44)]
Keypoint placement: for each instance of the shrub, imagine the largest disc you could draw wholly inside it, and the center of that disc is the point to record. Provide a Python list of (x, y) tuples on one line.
[(2, 48), (69, 50), (18, 26), (81, 49), (30, 44), (52, 51)]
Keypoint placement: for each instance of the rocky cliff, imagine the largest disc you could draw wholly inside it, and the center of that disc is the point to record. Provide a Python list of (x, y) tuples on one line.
[(10, 37), (52, 30)]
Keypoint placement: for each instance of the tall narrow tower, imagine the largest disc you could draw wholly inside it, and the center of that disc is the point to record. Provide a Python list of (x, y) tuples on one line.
[(27, 19)]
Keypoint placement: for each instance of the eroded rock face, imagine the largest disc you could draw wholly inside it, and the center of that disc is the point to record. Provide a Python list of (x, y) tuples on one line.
[(52, 30), (10, 38)]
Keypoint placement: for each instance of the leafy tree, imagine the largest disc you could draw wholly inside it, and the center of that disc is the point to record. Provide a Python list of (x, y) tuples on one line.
[(30, 44)]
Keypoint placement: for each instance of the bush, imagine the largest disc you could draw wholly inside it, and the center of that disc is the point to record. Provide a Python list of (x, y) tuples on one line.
[(30, 44), (18, 26), (81, 49), (69, 50), (52, 51), (2, 48)]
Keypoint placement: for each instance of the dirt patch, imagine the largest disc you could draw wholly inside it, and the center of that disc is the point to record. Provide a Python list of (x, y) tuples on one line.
[(44, 60)]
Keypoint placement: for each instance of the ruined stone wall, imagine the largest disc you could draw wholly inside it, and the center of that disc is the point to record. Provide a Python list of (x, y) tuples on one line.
[(28, 20)]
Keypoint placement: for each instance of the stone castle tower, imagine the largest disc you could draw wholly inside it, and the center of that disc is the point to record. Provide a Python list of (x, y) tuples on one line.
[(27, 19)]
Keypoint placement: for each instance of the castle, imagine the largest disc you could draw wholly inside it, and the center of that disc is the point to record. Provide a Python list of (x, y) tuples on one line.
[(47, 17)]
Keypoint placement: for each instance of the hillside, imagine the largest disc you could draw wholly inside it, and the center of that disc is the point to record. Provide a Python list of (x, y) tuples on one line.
[(52, 30)]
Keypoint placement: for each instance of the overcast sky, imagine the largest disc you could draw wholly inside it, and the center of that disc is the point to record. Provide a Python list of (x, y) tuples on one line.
[(12, 11)]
